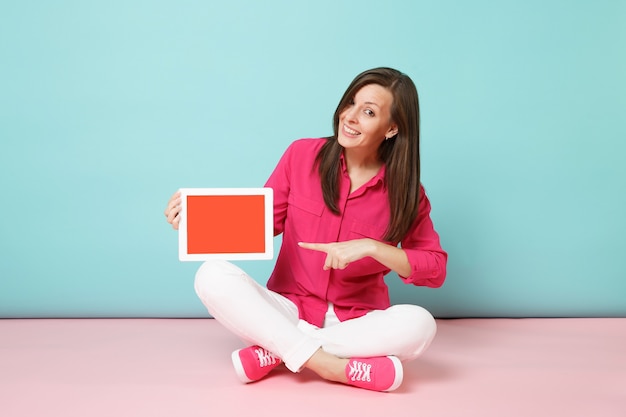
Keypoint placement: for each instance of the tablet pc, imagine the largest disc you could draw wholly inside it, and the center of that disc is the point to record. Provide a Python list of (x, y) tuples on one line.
[(226, 223)]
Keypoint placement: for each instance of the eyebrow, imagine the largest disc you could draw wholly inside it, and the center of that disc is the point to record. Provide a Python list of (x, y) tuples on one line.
[(371, 102)]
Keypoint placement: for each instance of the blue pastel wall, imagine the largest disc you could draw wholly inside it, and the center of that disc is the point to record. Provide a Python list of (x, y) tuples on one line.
[(107, 107)]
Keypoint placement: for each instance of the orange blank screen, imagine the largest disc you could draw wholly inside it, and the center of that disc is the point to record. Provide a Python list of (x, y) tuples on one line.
[(225, 224)]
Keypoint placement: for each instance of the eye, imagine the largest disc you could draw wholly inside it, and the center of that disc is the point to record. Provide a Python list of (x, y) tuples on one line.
[(369, 112)]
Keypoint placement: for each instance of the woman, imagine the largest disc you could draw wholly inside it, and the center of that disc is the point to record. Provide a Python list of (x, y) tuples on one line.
[(344, 204)]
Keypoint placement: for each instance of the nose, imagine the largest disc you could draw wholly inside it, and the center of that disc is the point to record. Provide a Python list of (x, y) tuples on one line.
[(350, 113)]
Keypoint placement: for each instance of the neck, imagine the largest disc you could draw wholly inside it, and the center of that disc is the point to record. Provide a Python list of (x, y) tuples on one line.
[(361, 160), (361, 168)]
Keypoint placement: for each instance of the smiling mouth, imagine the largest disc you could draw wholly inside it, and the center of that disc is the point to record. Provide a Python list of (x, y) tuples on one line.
[(350, 131)]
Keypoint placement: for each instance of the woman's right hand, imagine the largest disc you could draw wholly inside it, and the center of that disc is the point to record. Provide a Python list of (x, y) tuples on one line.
[(172, 211)]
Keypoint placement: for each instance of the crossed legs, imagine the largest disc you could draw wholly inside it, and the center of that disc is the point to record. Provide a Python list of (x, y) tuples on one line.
[(267, 319)]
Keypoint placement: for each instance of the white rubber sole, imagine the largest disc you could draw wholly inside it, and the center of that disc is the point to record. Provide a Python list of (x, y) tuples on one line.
[(399, 373), (239, 368)]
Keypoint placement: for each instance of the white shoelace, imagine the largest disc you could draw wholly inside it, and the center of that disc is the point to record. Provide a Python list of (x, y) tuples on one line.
[(360, 371), (265, 357)]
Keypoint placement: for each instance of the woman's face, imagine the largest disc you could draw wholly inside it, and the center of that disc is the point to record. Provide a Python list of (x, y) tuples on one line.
[(366, 121)]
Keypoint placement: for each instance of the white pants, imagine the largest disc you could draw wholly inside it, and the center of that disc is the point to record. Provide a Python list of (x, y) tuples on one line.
[(265, 318)]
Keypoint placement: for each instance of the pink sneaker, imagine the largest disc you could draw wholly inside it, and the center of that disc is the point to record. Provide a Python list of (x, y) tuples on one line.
[(376, 374), (253, 363)]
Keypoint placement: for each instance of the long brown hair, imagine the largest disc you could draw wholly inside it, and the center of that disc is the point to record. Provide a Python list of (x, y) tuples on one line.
[(400, 153)]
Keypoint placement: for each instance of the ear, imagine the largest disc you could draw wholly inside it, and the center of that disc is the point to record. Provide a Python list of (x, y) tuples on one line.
[(393, 130)]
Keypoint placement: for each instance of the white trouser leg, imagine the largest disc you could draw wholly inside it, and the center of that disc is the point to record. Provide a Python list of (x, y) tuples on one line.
[(402, 330), (254, 313)]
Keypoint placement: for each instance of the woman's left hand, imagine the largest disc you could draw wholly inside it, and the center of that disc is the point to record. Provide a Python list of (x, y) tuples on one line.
[(340, 254)]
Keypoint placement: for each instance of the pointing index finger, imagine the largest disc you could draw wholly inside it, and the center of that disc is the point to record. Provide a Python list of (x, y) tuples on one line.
[(313, 246)]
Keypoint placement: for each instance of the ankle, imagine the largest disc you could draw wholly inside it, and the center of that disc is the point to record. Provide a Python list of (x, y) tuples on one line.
[(327, 366)]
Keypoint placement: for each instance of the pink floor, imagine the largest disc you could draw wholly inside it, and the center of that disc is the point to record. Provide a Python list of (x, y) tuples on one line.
[(181, 367)]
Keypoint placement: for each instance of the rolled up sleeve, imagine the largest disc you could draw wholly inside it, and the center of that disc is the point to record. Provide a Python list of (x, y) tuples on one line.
[(423, 248)]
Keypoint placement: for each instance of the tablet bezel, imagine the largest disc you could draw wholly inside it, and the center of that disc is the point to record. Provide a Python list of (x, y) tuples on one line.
[(268, 198)]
